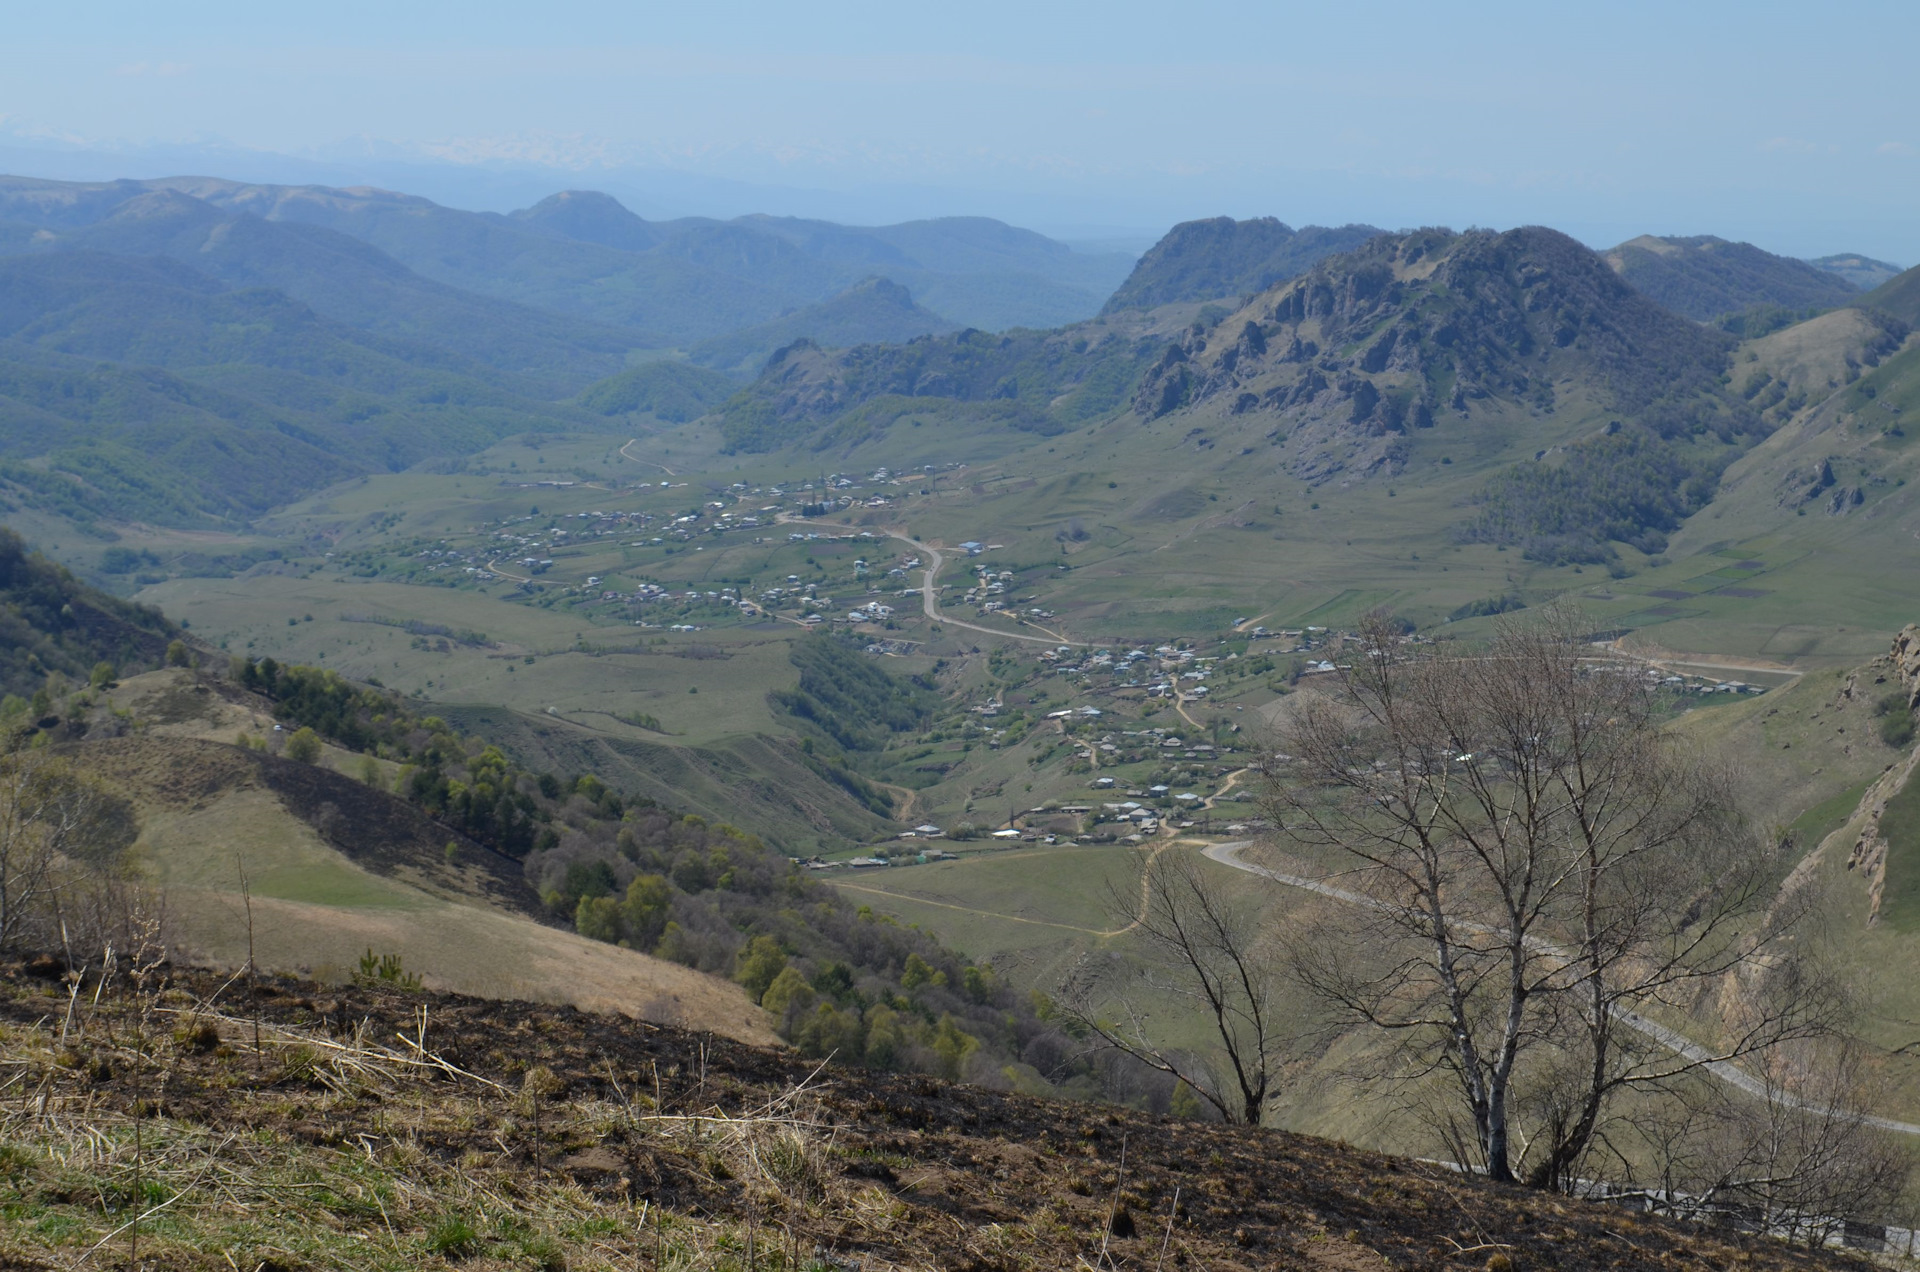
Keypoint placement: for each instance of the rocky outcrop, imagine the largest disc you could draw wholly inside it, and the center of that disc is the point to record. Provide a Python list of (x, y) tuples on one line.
[(1904, 658), (1868, 855), (1431, 328)]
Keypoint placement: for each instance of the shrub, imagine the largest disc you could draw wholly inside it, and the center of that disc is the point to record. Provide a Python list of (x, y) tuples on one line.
[(304, 746), (384, 970), (597, 918), (760, 964), (1897, 730), (788, 991)]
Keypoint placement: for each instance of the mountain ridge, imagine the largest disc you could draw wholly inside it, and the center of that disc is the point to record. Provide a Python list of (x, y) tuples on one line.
[(876, 310), (1220, 257), (1704, 277), (583, 254)]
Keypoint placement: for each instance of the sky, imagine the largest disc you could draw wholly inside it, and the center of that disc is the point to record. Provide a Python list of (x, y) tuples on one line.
[(1789, 125)]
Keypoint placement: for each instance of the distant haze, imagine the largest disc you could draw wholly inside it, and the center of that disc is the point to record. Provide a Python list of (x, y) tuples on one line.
[(1780, 124)]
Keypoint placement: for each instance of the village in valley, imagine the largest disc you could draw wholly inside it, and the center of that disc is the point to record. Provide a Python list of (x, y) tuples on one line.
[(1045, 735)]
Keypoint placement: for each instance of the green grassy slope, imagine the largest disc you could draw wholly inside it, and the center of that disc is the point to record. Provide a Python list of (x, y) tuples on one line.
[(1899, 296)]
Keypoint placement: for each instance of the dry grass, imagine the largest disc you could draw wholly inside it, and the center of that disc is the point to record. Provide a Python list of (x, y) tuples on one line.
[(372, 1129), (89, 1180)]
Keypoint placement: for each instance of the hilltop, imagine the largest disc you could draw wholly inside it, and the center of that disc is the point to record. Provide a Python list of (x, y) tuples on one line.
[(141, 389), (1223, 258), (351, 282), (874, 311), (1705, 278), (581, 254), (1863, 272), (519, 1132), (1899, 296)]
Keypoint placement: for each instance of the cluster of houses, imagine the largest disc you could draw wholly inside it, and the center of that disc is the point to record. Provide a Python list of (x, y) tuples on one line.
[(1165, 672)]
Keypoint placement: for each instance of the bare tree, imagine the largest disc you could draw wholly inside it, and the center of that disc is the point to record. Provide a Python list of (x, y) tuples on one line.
[(1548, 884), (59, 830), (1800, 1162), (42, 812), (1206, 944)]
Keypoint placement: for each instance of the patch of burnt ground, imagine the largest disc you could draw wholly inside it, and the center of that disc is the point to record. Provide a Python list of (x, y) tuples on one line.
[(880, 1170)]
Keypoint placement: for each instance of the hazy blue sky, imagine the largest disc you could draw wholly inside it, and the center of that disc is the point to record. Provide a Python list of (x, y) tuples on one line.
[(1794, 125)]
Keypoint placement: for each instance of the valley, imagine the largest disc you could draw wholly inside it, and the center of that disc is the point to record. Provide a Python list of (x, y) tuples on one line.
[(837, 676)]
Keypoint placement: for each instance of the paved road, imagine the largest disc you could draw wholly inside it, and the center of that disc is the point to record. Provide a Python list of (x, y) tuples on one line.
[(1228, 854)]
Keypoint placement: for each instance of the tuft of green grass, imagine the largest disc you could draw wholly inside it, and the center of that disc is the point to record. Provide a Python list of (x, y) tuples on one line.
[(453, 1238)]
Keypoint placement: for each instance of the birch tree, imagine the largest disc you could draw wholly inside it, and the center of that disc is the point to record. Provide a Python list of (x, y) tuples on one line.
[(1558, 901)]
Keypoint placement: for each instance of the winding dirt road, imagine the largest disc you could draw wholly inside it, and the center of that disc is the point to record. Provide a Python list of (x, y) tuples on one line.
[(648, 462), (1228, 854), (929, 589)]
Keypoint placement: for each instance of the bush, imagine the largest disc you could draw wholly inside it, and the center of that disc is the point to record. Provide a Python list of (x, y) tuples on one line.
[(304, 746), (789, 989), (597, 918), (760, 964), (1487, 607), (384, 971), (1897, 730)]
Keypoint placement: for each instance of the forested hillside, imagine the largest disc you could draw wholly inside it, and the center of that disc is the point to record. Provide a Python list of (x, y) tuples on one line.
[(582, 254), (53, 625), (147, 390), (837, 980), (1035, 381), (874, 311), (351, 282), (1705, 278), (1863, 272), (1223, 258)]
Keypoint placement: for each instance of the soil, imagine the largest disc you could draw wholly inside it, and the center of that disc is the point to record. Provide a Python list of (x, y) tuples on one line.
[(958, 1176)]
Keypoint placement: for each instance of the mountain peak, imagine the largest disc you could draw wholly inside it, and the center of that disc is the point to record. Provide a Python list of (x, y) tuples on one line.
[(1220, 257), (1704, 277), (589, 216), (1413, 327)]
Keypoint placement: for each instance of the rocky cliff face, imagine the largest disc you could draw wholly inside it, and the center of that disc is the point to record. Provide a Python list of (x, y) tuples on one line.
[(1412, 328), (1868, 856)]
